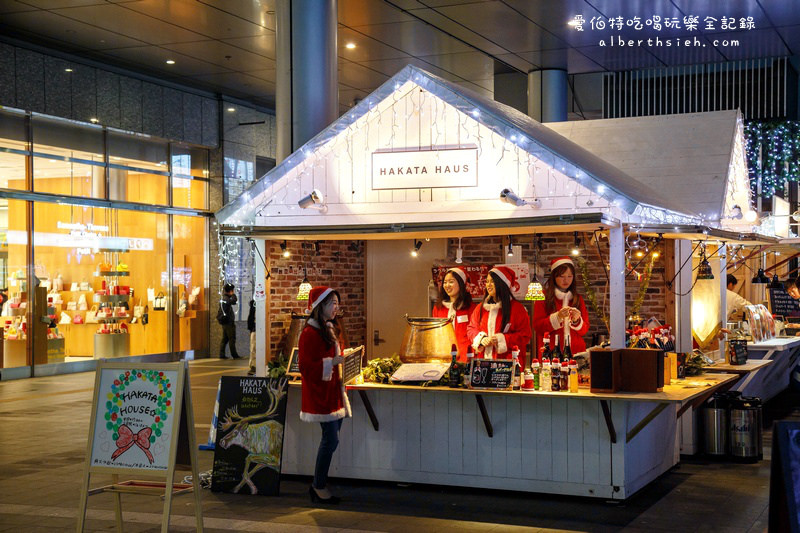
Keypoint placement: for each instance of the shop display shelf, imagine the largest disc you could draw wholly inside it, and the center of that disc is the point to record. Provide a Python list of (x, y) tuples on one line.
[(112, 273), (113, 297), (101, 320)]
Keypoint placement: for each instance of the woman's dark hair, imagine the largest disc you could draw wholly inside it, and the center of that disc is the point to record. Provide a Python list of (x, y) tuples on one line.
[(550, 290), (504, 296), (464, 299), (316, 314)]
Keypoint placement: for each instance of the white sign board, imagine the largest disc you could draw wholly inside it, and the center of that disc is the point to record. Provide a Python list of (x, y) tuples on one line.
[(420, 372), (425, 169), (133, 426)]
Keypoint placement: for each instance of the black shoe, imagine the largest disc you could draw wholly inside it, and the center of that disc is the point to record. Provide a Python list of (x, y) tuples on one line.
[(238, 357), (333, 500), (222, 357)]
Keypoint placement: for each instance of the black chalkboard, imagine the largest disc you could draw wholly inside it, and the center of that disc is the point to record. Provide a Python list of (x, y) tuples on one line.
[(737, 351), (352, 364), (294, 363), (249, 446), (780, 303), (491, 374)]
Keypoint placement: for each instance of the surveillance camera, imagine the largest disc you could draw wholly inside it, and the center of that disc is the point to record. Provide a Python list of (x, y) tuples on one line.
[(510, 197), (314, 200)]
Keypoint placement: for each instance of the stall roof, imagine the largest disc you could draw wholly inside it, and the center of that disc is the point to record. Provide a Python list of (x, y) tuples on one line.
[(697, 157), (436, 116), (702, 233)]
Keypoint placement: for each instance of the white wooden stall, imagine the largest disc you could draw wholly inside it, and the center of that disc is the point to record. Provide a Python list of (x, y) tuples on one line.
[(555, 443)]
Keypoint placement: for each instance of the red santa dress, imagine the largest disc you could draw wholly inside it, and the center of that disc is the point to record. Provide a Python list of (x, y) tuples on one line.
[(323, 397), (486, 320), (545, 323), (460, 319)]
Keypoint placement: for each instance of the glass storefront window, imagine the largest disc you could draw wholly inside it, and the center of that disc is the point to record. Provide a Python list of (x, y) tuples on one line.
[(68, 158), (190, 175), (138, 169), (14, 269), (191, 193), (13, 149), (190, 283), (102, 265)]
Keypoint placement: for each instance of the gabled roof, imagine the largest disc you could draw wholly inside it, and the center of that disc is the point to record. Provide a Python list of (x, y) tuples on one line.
[(593, 174), (687, 156)]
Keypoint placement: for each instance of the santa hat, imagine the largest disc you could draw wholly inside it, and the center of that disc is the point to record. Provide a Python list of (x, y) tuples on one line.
[(458, 271), (506, 275), (317, 295), (558, 261)]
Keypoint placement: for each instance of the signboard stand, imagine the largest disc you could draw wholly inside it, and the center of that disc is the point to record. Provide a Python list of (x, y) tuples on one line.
[(132, 432)]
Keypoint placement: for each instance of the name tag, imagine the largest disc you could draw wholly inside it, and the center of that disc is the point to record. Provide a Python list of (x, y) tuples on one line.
[(462, 318)]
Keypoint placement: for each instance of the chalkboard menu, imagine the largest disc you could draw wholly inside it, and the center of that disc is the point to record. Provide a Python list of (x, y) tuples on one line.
[(294, 363), (352, 363), (491, 374), (780, 303), (247, 455), (737, 351)]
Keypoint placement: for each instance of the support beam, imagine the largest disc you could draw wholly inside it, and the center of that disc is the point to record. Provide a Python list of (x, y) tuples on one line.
[(683, 298), (722, 252), (262, 324), (616, 274)]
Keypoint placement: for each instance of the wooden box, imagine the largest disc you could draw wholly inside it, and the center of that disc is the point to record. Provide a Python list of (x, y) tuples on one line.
[(604, 370), (642, 370)]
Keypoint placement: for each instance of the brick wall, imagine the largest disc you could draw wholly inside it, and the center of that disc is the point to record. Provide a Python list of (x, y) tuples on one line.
[(339, 264), (489, 250)]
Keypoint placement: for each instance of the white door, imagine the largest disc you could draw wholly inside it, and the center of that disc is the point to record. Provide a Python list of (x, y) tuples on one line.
[(397, 285)]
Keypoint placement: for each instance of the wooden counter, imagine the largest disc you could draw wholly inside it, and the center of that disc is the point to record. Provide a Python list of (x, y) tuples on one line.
[(583, 444)]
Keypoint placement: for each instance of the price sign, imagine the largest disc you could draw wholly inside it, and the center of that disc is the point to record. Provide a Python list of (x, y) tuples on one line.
[(494, 374)]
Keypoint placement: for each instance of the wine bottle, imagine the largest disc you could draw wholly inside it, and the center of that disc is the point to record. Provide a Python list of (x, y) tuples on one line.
[(555, 369), (536, 377), (517, 368), (453, 377), (468, 369), (556, 354), (545, 379)]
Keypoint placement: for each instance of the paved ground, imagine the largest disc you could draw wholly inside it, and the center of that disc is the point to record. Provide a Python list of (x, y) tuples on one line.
[(43, 428)]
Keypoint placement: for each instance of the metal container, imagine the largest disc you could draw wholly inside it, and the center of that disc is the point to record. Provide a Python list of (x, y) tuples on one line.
[(427, 340), (715, 426), (745, 430)]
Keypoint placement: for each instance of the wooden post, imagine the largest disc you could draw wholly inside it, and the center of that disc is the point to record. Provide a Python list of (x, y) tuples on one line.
[(722, 252), (683, 298), (616, 261)]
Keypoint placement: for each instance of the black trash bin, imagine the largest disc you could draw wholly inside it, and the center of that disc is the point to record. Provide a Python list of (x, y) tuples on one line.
[(745, 430)]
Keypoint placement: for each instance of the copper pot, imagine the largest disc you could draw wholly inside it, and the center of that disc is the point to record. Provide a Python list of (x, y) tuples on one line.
[(427, 340)]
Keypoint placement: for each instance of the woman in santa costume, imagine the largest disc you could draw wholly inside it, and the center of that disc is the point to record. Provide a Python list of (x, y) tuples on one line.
[(455, 303), (323, 395), (562, 312), (500, 322)]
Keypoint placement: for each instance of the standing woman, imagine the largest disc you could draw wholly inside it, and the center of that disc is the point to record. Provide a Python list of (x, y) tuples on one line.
[(500, 322), (562, 310), (455, 303), (323, 396)]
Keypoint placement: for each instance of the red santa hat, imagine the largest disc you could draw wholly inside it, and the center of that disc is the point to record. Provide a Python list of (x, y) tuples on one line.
[(558, 261), (506, 275), (317, 295), (458, 271)]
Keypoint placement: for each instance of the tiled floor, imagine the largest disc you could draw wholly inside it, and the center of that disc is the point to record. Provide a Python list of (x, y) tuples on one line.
[(43, 428)]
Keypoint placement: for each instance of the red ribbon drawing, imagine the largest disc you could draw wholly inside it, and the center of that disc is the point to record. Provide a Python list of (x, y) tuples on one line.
[(127, 439)]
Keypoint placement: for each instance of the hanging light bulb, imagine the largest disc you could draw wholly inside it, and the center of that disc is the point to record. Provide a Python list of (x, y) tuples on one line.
[(305, 287), (459, 253), (415, 248), (510, 251), (285, 250), (575, 250)]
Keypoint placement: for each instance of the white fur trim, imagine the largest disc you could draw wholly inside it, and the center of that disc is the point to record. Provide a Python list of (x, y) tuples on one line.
[(315, 417), (555, 321), (327, 368), (348, 411), (458, 272), (502, 277), (578, 326), (502, 347), (313, 323), (477, 340), (562, 261), (491, 328), (321, 297), (565, 297)]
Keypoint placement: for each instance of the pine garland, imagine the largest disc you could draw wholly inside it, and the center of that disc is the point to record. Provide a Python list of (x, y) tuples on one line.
[(591, 295), (637, 304)]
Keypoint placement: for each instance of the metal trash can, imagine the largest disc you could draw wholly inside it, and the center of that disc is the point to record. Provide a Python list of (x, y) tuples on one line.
[(745, 430), (715, 426)]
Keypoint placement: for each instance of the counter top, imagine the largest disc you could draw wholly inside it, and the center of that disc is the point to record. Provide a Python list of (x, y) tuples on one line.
[(750, 366), (679, 391), (778, 343)]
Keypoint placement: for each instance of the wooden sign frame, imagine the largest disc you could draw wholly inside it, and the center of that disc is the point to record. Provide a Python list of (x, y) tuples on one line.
[(181, 453), (293, 355), (510, 381)]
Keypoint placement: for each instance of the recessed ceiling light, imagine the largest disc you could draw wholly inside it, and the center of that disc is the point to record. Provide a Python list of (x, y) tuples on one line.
[(93, 120), (170, 61), (572, 23), (231, 109), (350, 46), (67, 70)]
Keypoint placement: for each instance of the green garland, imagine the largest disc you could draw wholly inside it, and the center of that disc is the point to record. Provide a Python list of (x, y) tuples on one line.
[(591, 295), (637, 304)]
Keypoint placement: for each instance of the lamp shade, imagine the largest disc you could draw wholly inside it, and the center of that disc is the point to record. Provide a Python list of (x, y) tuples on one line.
[(534, 292), (775, 283), (760, 277), (704, 270), (304, 290)]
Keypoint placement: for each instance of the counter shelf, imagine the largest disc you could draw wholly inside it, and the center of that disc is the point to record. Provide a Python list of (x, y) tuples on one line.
[(112, 273)]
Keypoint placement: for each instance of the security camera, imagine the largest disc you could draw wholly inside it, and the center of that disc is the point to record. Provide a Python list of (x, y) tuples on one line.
[(313, 200), (510, 197)]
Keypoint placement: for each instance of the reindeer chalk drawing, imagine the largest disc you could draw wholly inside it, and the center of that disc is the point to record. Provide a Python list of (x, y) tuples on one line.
[(262, 441)]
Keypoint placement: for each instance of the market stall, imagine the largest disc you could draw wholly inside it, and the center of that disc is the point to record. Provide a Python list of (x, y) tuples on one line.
[(422, 158)]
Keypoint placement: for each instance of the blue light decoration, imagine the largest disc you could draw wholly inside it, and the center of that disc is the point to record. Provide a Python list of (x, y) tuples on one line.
[(773, 155)]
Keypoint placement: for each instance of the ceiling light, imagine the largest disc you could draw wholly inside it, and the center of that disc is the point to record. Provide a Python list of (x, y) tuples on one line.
[(285, 250), (415, 248), (94, 120), (704, 270), (231, 109), (510, 197), (305, 288), (67, 70), (314, 200), (775, 283), (751, 216), (510, 252), (760, 277), (535, 292), (170, 61), (350, 46), (459, 253), (576, 251)]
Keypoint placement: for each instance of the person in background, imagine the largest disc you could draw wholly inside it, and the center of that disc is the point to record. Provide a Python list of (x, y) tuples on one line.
[(793, 288), (735, 303), (562, 309), (227, 319), (500, 322), (251, 327), (323, 397), (455, 302)]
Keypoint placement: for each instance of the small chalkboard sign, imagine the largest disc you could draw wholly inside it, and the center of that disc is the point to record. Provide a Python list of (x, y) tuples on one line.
[(491, 374), (780, 303), (294, 363), (737, 351), (351, 368)]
